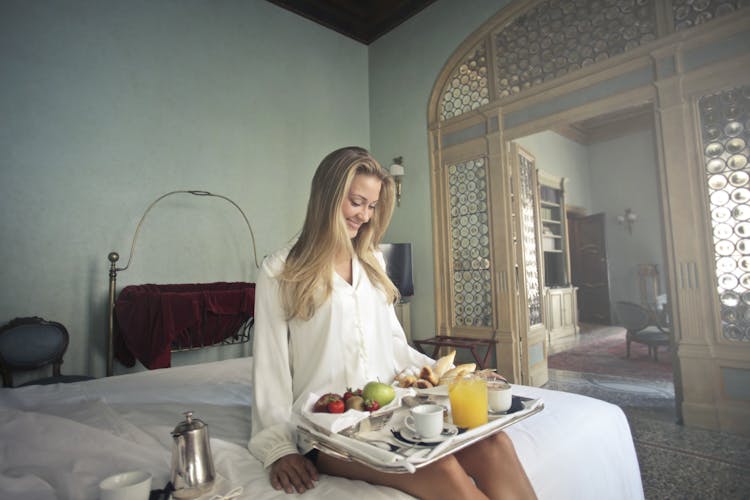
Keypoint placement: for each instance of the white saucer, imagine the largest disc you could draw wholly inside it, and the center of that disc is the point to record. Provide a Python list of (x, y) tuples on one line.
[(493, 412), (408, 436)]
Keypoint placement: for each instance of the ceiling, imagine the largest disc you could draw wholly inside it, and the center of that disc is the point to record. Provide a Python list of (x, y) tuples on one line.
[(362, 20), (610, 125)]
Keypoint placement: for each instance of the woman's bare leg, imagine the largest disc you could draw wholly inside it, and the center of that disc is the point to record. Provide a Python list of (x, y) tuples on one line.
[(440, 480), (495, 467)]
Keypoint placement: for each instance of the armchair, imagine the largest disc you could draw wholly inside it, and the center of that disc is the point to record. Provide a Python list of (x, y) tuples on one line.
[(637, 320)]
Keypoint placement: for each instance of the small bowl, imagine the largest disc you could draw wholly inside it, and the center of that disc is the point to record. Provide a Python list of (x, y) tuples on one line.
[(133, 485)]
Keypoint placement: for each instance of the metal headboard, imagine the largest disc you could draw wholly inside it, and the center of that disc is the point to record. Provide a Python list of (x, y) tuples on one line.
[(114, 257)]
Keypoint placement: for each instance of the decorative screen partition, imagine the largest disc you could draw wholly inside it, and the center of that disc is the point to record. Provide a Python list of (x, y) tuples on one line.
[(725, 124), (552, 38), (555, 38), (529, 239), (470, 244)]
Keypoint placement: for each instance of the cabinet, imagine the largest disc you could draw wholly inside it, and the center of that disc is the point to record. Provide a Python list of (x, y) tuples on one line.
[(562, 317), (561, 313)]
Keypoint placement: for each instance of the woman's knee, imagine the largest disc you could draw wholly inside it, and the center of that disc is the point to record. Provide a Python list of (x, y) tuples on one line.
[(448, 467), (497, 445)]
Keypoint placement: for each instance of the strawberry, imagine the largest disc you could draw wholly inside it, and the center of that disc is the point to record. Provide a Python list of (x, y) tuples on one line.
[(336, 406), (371, 405)]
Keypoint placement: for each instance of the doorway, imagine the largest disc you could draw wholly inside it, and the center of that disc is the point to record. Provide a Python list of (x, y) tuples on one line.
[(590, 268), (611, 168)]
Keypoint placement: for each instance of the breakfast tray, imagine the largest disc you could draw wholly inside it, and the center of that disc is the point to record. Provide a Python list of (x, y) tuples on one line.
[(371, 441)]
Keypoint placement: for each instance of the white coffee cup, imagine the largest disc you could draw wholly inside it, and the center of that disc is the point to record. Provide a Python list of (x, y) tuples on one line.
[(499, 396), (134, 485), (425, 420)]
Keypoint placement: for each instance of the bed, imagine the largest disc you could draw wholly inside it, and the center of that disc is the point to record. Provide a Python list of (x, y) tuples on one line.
[(59, 441), (148, 322)]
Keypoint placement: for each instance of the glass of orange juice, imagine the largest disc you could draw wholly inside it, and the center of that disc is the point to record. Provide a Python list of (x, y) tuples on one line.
[(468, 396)]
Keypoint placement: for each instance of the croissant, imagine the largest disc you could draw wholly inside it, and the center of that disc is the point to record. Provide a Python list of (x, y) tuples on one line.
[(423, 384), (429, 375)]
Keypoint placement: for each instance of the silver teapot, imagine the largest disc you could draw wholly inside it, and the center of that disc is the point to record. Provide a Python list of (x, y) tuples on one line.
[(192, 463)]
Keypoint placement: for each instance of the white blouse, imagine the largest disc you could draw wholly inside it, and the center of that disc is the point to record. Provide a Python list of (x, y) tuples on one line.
[(353, 338)]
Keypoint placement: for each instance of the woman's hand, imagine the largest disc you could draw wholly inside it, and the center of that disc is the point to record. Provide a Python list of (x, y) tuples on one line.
[(293, 472)]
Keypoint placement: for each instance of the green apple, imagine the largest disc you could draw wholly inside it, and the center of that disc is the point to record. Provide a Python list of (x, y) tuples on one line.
[(380, 392)]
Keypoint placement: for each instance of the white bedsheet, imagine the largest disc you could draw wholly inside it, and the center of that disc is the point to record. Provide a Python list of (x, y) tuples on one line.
[(59, 441)]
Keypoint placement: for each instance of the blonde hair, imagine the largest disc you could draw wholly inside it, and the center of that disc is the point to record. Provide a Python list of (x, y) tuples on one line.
[(307, 279)]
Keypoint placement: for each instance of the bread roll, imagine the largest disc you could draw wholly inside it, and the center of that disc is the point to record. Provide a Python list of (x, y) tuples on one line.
[(444, 364), (423, 384), (428, 374), (408, 381)]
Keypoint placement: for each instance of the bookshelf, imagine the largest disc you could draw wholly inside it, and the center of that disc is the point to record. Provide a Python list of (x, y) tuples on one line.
[(561, 307), (554, 230)]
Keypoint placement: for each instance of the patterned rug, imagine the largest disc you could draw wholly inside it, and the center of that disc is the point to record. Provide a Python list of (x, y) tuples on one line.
[(602, 350)]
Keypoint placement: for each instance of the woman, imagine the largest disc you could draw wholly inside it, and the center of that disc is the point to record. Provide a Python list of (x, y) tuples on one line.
[(324, 321)]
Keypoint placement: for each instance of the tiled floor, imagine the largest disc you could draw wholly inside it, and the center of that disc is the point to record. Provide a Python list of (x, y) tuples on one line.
[(676, 462)]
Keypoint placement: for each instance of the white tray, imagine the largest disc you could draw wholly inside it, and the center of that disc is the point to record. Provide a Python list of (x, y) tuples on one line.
[(357, 443)]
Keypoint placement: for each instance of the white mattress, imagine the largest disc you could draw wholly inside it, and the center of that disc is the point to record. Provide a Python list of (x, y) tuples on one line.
[(59, 441)]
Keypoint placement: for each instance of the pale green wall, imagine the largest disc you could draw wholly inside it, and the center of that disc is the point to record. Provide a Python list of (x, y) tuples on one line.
[(404, 65), (562, 157), (624, 175), (107, 104)]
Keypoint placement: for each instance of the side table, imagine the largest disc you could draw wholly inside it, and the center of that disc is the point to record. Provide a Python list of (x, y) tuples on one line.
[(459, 343)]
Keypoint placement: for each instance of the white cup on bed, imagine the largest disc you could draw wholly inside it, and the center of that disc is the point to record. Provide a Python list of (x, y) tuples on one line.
[(425, 420), (134, 485), (499, 396)]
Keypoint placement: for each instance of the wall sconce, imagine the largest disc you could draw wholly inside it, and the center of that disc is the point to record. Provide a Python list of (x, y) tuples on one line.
[(397, 172), (627, 219)]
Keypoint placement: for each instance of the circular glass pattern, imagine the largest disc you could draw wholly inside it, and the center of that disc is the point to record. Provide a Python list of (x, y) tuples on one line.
[(728, 281), (741, 195), (742, 229), (715, 166), (724, 247), (466, 89), (721, 214), (553, 41), (731, 332), (733, 129), (714, 149), (719, 198), (723, 231), (737, 162), (726, 265), (743, 247), (729, 315), (717, 182), (729, 299), (469, 247), (741, 212), (739, 178), (735, 145)]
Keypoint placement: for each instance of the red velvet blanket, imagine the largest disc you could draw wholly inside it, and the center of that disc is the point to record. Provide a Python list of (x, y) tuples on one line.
[(153, 318)]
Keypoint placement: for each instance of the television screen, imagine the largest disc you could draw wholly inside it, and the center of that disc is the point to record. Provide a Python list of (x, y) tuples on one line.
[(398, 266)]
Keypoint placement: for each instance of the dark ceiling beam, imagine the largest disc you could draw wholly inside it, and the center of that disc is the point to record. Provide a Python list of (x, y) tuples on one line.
[(361, 20)]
